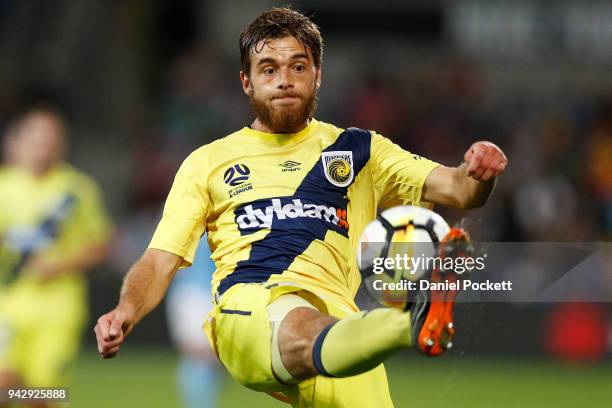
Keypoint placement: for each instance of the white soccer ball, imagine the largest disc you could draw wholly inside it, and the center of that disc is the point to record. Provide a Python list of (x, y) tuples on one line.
[(395, 247)]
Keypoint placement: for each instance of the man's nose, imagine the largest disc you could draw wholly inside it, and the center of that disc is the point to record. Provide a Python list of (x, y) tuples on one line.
[(284, 79)]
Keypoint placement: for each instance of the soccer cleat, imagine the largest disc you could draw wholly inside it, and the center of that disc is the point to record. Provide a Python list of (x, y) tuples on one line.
[(432, 310)]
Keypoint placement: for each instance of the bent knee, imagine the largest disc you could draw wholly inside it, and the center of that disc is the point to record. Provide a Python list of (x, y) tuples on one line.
[(297, 335)]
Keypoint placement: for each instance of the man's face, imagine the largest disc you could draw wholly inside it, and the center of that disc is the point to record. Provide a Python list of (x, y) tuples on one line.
[(282, 84), (38, 142)]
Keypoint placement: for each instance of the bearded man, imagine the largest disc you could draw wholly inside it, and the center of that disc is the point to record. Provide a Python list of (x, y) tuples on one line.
[(284, 202)]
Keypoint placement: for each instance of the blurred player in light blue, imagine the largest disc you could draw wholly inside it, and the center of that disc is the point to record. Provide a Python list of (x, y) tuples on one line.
[(187, 304)]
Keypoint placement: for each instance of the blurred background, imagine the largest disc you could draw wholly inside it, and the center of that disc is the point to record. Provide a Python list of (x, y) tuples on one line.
[(143, 83)]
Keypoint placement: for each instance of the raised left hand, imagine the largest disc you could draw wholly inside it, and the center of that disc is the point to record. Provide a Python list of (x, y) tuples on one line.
[(485, 161)]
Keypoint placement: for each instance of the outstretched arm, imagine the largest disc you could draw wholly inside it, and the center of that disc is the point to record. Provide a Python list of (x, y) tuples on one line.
[(143, 288), (469, 185), (81, 260)]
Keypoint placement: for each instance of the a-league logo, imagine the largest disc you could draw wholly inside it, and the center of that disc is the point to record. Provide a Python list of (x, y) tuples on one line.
[(236, 175), (338, 167)]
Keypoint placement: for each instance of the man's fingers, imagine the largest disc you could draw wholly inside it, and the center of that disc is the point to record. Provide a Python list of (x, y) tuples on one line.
[(486, 170), (115, 327), (487, 165), (105, 347), (104, 328), (475, 161), (490, 156), (112, 344), (98, 337), (110, 333), (488, 174), (497, 166), (104, 350), (110, 353), (479, 172), (483, 156), (484, 161), (501, 164)]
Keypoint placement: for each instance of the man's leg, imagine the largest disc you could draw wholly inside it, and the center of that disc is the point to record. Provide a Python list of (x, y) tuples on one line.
[(313, 343), (250, 332), (366, 390), (282, 342), (11, 351), (8, 379), (51, 348)]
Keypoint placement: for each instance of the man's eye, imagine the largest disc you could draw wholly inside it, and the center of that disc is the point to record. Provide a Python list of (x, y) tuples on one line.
[(300, 68), (268, 71)]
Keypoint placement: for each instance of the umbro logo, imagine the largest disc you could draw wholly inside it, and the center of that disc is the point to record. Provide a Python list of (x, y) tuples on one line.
[(290, 165)]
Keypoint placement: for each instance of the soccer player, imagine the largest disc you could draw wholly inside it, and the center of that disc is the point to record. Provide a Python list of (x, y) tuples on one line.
[(284, 202), (52, 228), (188, 301)]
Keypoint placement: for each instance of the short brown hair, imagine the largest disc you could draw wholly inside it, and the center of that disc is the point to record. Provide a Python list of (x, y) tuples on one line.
[(41, 107), (279, 23)]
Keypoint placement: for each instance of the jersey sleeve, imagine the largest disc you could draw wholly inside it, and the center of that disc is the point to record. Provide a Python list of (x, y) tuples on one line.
[(398, 175), (185, 212)]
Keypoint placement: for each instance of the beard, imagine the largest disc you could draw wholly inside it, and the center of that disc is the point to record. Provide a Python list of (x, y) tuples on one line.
[(284, 119)]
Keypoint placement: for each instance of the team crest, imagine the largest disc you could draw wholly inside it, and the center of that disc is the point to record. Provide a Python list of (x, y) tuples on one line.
[(338, 167)]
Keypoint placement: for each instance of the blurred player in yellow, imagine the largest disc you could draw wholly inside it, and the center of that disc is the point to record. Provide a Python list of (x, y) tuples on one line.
[(53, 228), (284, 202)]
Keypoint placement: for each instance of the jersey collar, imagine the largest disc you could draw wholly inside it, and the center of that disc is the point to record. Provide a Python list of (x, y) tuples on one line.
[(282, 139)]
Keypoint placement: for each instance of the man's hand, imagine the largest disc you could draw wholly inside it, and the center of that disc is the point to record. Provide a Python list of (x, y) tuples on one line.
[(484, 161), (143, 288), (112, 329), (44, 269), (469, 185)]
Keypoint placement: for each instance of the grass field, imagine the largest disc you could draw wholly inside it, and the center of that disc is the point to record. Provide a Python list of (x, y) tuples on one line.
[(146, 379)]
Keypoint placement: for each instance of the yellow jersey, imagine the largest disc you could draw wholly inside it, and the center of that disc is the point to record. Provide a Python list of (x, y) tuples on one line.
[(52, 216), (287, 207)]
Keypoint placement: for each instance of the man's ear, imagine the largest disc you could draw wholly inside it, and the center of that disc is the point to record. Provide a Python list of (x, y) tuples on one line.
[(318, 78), (246, 83)]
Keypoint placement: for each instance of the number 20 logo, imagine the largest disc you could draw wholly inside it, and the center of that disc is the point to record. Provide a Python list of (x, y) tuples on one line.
[(236, 175)]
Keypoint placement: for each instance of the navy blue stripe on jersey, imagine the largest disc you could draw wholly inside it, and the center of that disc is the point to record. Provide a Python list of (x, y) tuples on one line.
[(43, 236), (296, 221)]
